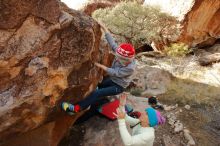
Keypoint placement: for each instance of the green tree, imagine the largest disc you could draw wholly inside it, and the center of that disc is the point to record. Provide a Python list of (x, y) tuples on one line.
[(135, 23)]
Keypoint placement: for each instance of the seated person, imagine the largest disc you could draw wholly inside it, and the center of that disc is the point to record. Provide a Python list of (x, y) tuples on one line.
[(142, 128)]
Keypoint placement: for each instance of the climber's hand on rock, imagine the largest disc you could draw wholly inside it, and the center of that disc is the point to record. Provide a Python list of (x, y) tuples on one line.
[(98, 65), (101, 66)]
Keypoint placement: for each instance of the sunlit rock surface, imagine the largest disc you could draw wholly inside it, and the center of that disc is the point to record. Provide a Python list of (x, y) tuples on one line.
[(46, 55), (200, 19)]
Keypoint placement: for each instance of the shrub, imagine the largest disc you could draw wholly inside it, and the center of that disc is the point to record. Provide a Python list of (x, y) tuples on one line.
[(134, 23), (177, 50)]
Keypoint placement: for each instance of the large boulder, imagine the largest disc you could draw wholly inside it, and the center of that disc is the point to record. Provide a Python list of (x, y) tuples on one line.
[(199, 19), (46, 56), (202, 28)]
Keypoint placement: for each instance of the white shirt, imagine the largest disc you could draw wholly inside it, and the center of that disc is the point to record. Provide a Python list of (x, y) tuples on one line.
[(141, 136)]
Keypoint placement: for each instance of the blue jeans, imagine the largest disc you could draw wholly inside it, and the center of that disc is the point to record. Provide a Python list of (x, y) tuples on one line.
[(106, 88)]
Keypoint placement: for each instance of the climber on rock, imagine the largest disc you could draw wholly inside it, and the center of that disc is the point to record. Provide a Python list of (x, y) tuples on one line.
[(119, 75), (142, 127)]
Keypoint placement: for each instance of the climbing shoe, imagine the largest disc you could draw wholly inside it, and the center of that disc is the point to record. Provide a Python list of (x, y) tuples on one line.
[(67, 107)]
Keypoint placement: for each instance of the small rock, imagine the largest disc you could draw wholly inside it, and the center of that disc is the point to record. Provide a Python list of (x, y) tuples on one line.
[(187, 107), (171, 119), (171, 116), (188, 137), (177, 112), (168, 116), (178, 127), (176, 105), (167, 141), (181, 110), (171, 122), (168, 108)]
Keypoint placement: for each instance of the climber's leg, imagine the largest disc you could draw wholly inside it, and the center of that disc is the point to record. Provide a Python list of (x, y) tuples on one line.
[(106, 88), (92, 111), (106, 82), (95, 95)]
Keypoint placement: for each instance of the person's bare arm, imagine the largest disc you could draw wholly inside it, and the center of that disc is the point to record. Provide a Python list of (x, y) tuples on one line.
[(101, 66), (108, 37)]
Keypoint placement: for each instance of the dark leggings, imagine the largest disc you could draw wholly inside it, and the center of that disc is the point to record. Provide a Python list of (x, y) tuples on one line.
[(106, 88)]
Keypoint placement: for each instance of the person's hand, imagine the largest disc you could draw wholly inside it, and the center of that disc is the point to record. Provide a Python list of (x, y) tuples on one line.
[(120, 113), (122, 99), (100, 66)]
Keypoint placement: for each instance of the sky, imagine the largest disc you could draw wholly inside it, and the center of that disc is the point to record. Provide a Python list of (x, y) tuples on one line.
[(74, 4), (177, 9)]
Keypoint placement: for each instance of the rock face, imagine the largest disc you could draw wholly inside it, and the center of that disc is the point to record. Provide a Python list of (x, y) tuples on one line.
[(199, 19), (202, 23), (46, 55)]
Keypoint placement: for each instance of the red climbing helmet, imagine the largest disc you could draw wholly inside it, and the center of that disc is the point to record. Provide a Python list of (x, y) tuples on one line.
[(126, 50)]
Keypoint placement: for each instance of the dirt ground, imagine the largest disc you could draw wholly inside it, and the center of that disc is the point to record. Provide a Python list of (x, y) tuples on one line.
[(203, 123)]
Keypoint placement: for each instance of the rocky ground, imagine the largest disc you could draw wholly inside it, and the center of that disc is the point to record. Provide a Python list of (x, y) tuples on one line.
[(186, 125)]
